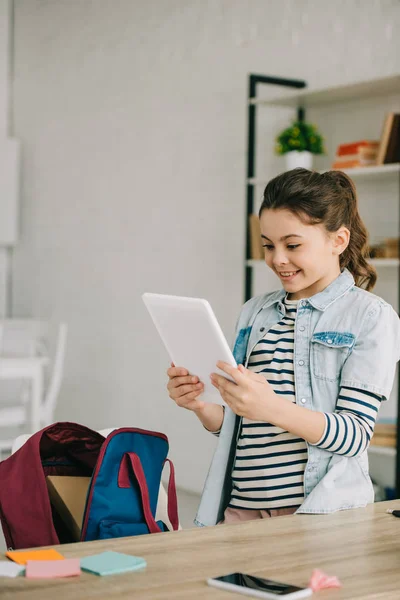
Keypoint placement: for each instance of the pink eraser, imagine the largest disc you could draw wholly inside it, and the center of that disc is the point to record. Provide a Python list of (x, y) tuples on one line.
[(49, 569), (320, 581)]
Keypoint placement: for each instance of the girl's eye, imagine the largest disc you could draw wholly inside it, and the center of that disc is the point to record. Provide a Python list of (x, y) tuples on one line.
[(290, 246)]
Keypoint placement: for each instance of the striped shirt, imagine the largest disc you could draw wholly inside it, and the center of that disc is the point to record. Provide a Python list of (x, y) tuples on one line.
[(350, 428), (270, 462)]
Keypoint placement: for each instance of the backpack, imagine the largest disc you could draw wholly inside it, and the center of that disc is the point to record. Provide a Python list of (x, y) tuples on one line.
[(123, 493), (125, 470)]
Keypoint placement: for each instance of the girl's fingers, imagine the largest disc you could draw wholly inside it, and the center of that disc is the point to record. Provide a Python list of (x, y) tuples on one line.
[(223, 384), (182, 390), (251, 374), (179, 381), (234, 372)]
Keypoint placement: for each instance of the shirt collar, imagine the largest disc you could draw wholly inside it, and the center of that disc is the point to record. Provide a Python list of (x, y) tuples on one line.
[(338, 288)]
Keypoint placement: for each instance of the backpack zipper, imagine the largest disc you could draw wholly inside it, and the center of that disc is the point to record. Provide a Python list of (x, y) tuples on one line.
[(7, 528)]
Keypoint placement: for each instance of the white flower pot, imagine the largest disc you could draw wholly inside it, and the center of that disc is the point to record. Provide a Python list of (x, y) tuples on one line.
[(296, 159)]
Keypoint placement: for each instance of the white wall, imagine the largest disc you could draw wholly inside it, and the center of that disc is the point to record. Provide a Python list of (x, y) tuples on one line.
[(4, 65), (132, 117), (9, 160)]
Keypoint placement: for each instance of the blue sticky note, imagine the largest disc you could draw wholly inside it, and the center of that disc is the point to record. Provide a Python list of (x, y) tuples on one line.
[(111, 563)]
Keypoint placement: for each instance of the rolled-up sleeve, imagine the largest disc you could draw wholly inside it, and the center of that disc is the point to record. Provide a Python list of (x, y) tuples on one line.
[(371, 364)]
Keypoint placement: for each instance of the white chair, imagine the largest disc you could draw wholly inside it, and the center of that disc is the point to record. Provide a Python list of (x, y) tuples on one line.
[(162, 504), (23, 339)]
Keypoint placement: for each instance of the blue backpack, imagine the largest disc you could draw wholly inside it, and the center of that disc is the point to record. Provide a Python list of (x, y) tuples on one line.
[(123, 493)]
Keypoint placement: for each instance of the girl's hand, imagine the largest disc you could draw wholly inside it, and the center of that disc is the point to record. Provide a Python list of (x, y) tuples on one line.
[(184, 388), (251, 395)]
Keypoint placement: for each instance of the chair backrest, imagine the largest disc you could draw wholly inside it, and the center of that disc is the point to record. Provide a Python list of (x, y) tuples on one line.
[(20, 338), (30, 337), (23, 337), (56, 375)]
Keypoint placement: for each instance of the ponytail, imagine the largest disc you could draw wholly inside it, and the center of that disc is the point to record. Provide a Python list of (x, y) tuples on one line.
[(355, 257)]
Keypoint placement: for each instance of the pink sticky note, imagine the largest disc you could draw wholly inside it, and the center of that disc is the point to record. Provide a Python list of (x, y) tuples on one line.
[(48, 569)]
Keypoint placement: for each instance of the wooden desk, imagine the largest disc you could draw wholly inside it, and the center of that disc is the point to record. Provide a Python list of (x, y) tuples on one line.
[(361, 547)]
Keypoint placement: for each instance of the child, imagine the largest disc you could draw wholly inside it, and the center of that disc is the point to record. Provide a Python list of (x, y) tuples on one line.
[(320, 357)]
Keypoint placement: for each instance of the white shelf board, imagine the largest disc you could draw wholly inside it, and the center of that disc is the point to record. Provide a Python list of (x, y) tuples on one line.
[(359, 173), (376, 262), (254, 262), (355, 91), (375, 171), (385, 262), (383, 450)]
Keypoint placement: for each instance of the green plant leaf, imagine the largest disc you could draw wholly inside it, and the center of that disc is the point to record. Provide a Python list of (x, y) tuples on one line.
[(300, 136)]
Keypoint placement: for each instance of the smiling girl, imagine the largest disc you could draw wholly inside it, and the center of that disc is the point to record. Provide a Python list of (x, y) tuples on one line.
[(316, 359)]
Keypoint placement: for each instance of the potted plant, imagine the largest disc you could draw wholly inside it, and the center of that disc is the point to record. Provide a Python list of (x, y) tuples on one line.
[(298, 143)]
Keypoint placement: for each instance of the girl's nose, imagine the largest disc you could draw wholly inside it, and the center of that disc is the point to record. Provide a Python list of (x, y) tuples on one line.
[(279, 259)]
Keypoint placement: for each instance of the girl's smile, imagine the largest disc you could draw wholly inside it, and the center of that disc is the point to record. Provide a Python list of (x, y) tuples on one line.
[(288, 276)]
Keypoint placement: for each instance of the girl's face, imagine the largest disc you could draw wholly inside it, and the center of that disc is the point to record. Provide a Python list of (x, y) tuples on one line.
[(305, 257)]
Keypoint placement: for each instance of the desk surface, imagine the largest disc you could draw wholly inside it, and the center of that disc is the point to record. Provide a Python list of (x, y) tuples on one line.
[(361, 547)]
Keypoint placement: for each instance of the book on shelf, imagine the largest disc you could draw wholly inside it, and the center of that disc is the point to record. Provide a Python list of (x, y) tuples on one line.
[(385, 434), (256, 248), (355, 147), (356, 154), (363, 154), (385, 429), (389, 248), (393, 149), (387, 441), (389, 147), (351, 164)]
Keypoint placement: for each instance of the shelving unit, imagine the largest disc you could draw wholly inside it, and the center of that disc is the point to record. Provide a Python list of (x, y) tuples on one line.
[(361, 107)]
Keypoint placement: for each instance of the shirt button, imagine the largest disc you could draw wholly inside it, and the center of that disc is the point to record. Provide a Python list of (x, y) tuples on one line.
[(303, 400), (302, 328), (301, 362), (262, 329), (330, 341)]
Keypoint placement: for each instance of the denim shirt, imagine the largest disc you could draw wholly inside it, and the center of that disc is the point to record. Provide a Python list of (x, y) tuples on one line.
[(344, 336)]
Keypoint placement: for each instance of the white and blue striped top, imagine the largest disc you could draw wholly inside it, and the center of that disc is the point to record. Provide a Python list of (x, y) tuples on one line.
[(270, 462)]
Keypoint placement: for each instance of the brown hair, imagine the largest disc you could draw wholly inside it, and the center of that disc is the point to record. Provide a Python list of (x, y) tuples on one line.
[(329, 198)]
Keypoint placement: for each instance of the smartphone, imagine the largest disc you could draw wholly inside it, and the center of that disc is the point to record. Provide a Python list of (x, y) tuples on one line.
[(258, 587)]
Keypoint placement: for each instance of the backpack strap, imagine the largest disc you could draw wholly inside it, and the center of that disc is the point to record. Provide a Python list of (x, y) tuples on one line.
[(172, 499), (131, 462)]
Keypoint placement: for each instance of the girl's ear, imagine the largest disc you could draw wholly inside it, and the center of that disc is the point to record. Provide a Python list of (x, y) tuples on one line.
[(341, 239)]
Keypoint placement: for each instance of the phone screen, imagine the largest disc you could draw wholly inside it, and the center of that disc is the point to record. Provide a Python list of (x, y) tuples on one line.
[(257, 583)]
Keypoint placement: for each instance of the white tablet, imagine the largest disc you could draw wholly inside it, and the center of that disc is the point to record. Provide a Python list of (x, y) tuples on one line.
[(192, 336)]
